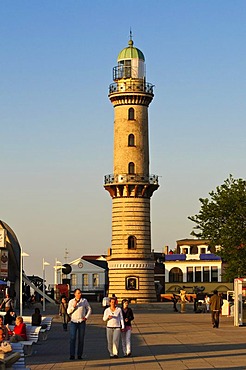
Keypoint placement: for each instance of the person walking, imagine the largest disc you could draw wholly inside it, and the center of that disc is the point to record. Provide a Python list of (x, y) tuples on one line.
[(215, 306), (183, 300), (79, 311), (115, 323), (126, 333), (7, 303), (207, 302), (175, 301), (63, 312)]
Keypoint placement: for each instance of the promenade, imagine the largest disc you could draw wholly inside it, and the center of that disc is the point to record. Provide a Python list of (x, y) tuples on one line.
[(161, 339)]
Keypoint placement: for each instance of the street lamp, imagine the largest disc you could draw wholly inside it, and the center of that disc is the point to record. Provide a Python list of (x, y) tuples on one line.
[(44, 264), (22, 254), (57, 263)]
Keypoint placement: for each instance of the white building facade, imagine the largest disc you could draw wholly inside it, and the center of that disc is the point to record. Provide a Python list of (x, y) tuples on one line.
[(193, 266), (87, 276)]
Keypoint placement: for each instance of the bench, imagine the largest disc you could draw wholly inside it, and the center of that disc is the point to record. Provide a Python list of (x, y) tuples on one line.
[(44, 332), (27, 319), (32, 333), (21, 363), (9, 360), (45, 321)]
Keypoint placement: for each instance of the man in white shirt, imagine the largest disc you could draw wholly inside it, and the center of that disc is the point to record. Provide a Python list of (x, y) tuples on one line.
[(79, 311)]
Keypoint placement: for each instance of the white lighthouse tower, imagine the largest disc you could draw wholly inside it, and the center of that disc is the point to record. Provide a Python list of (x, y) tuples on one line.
[(130, 258)]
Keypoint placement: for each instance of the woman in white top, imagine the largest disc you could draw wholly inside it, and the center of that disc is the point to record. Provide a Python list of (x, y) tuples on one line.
[(207, 303), (113, 316)]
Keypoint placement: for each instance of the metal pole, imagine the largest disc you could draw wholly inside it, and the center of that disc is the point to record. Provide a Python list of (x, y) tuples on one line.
[(43, 286), (21, 280), (55, 276)]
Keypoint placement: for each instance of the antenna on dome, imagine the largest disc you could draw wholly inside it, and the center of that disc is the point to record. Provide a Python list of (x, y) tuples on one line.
[(130, 33), (130, 42)]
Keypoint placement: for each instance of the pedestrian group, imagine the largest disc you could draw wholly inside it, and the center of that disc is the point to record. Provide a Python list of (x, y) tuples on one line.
[(118, 320)]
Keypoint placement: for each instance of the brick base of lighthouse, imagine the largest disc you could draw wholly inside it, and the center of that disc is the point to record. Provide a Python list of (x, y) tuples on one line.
[(131, 217), (143, 272)]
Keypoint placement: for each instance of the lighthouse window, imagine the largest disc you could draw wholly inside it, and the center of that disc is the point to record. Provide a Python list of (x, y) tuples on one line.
[(131, 140), (131, 283), (127, 73), (131, 114), (131, 168), (132, 242)]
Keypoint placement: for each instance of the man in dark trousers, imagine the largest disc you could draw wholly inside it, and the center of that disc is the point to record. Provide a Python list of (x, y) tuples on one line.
[(79, 311), (215, 306)]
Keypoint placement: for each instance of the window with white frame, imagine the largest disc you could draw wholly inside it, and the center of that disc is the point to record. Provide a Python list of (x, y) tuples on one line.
[(206, 274), (95, 278), (189, 273), (73, 279), (214, 274), (198, 274), (85, 280)]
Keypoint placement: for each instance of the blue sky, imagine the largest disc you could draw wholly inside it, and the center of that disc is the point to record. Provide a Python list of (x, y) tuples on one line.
[(56, 122)]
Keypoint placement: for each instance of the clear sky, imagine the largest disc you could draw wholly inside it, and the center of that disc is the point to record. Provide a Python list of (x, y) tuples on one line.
[(56, 122)]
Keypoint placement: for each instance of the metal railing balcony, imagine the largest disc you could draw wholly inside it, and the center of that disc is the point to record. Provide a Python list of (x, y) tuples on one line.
[(130, 178), (131, 86)]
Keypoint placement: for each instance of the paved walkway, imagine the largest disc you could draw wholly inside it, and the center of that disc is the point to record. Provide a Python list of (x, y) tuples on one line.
[(161, 339)]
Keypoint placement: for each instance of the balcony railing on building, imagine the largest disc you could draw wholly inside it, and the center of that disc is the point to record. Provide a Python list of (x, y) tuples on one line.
[(127, 86), (184, 257), (130, 178)]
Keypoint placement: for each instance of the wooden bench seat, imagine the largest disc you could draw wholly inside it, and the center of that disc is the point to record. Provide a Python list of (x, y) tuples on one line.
[(44, 331), (21, 363), (32, 337), (9, 360)]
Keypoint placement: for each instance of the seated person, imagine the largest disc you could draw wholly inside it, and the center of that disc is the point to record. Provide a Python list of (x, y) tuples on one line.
[(19, 332), (9, 317), (4, 329), (6, 351), (36, 317)]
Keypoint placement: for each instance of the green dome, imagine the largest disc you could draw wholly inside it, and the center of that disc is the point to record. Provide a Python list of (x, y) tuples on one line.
[(130, 52)]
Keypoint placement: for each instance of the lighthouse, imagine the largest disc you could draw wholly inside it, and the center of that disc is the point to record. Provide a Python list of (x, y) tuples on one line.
[(130, 258)]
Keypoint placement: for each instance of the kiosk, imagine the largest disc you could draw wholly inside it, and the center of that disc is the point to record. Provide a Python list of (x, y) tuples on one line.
[(240, 302)]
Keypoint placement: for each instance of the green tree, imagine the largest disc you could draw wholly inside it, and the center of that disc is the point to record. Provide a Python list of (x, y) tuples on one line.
[(222, 220)]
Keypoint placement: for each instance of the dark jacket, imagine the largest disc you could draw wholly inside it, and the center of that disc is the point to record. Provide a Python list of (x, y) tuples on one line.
[(216, 303), (36, 319), (128, 314), (63, 308)]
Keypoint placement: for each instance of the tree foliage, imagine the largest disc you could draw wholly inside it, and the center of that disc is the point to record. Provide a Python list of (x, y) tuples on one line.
[(222, 220)]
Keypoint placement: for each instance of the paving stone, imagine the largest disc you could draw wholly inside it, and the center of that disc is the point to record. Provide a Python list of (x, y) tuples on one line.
[(161, 339)]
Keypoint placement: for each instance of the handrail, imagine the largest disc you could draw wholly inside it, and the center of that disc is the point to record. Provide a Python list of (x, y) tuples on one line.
[(130, 178), (132, 86)]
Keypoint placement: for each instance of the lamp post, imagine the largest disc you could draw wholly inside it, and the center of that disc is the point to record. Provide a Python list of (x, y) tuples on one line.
[(44, 264), (56, 271), (22, 254)]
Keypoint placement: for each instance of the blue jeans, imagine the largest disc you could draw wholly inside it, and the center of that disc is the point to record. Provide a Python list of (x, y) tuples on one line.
[(74, 328)]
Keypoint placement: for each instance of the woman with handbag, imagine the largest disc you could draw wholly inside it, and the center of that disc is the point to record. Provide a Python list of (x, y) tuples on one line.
[(126, 333), (63, 312), (7, 303)]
